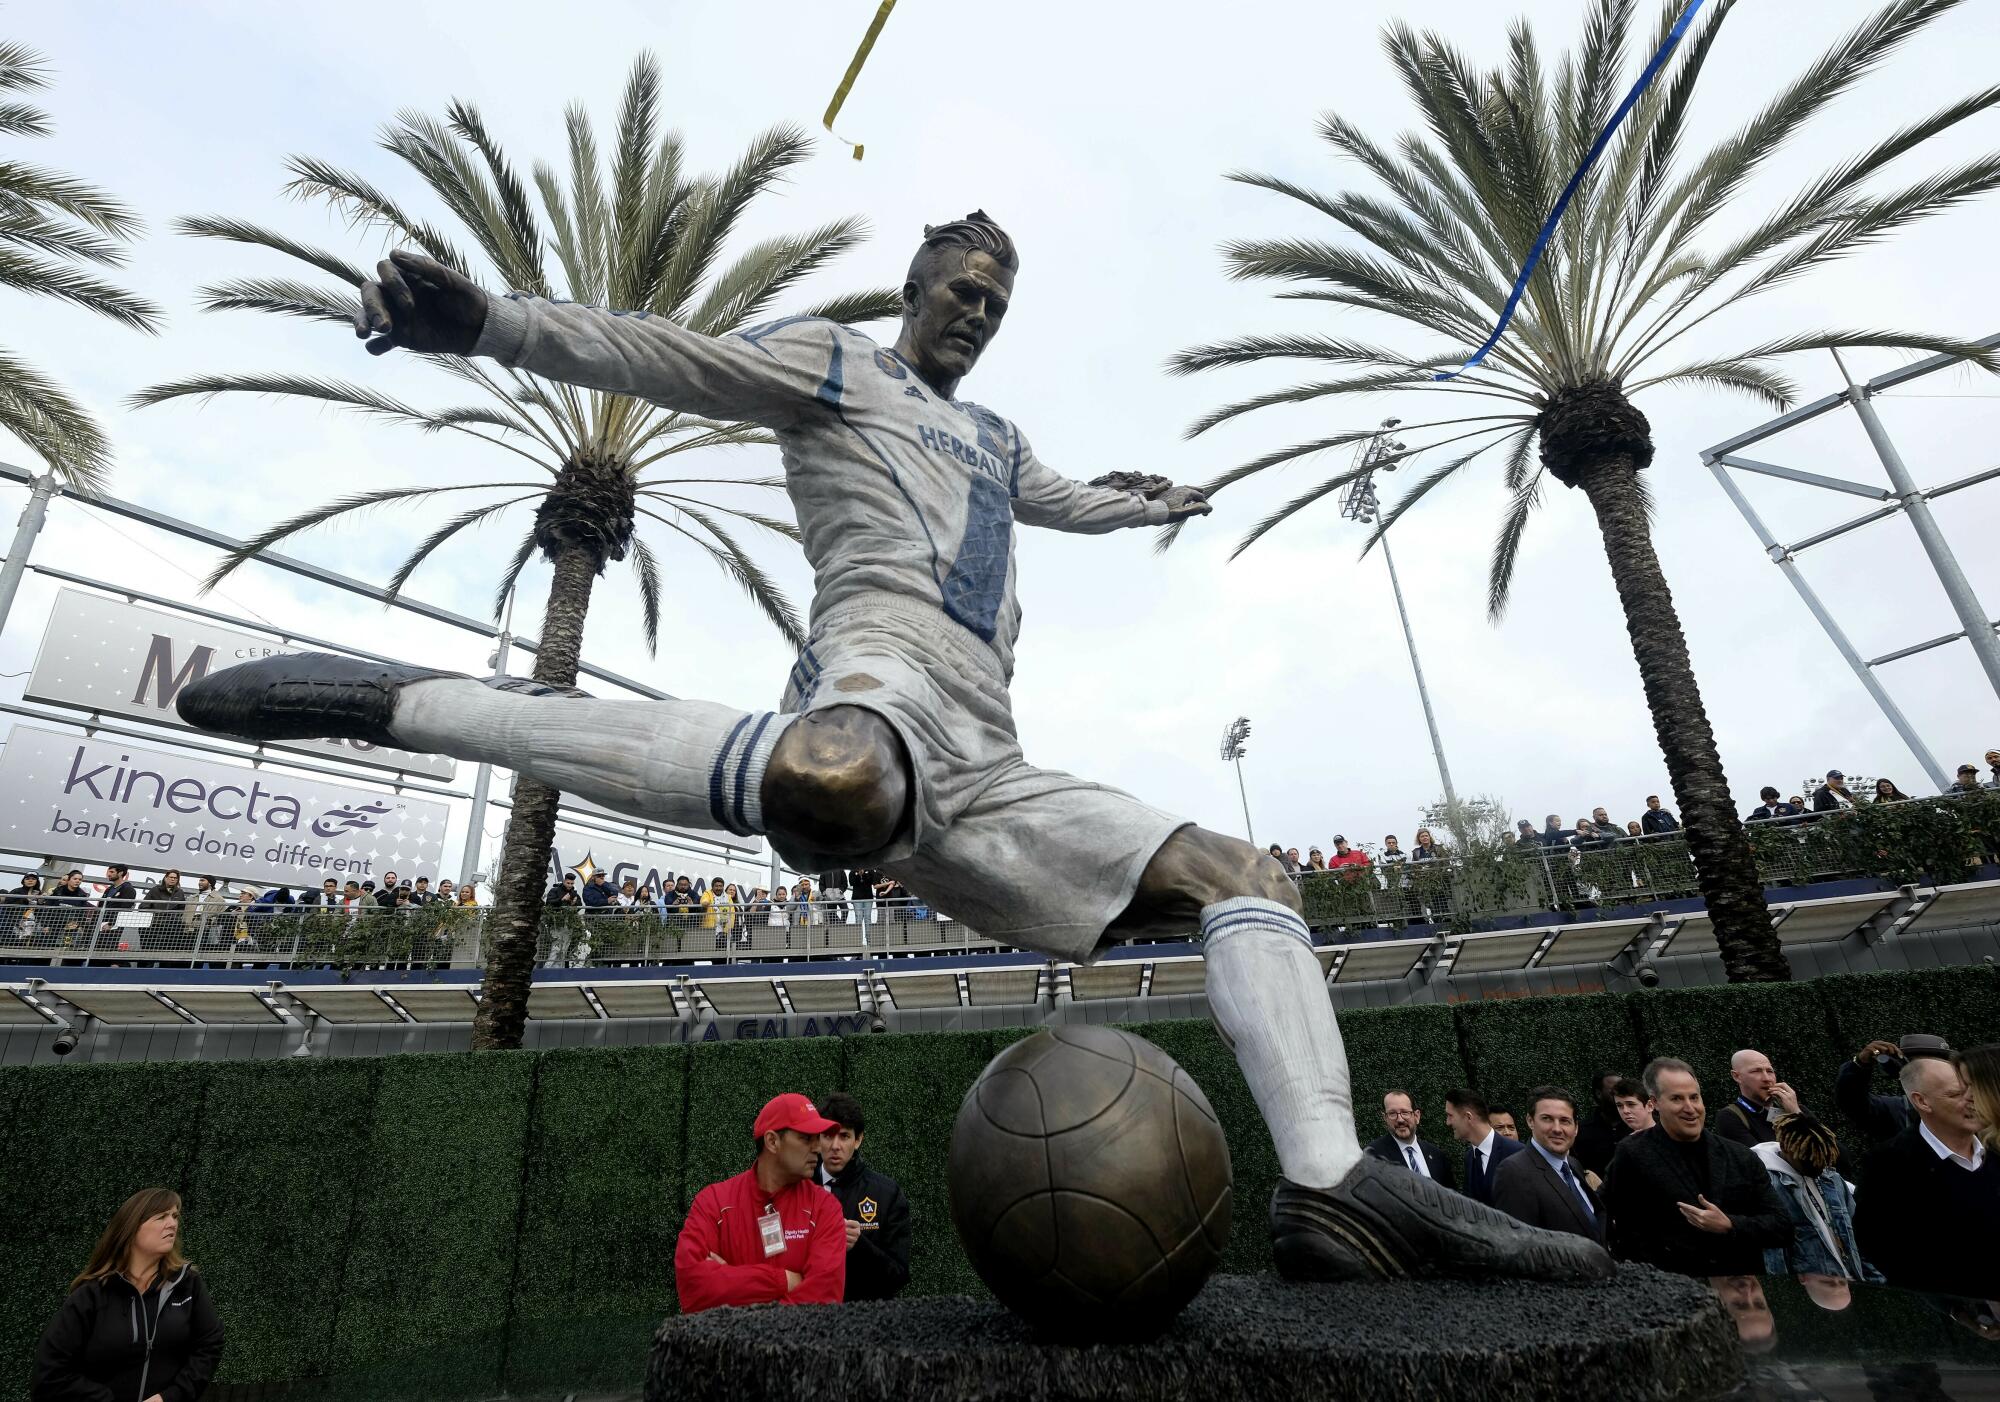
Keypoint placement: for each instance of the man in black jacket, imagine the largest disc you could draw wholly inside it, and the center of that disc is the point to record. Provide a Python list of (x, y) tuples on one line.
[(878, 1215), (1881, 1117), (1542, 1186), (1687, 1200), (1656, 820), (1927, 1211), (1599, 1134), (1401, 1145)]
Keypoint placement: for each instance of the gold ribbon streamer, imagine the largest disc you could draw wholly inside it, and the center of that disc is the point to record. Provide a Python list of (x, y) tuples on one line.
[(853, 71)]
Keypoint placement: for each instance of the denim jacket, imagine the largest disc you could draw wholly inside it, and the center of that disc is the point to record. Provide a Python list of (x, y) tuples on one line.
[(1809, 1253)]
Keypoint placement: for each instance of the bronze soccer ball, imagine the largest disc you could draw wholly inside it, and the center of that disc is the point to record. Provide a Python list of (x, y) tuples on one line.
[(1090, 1184)]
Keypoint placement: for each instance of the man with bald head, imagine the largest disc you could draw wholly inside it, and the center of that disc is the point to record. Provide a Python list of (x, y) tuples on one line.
[(1761, 1100), (1927, 1213)]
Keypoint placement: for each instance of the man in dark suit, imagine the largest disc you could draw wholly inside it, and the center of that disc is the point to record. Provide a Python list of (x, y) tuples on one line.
[(1541, 1186), (1687, 1200), (1927, 1211), (1401, 1145), (1465, 1111)]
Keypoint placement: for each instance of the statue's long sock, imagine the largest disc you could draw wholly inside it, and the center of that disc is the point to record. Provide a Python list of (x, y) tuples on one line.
[(690, 763), (1269, 998)]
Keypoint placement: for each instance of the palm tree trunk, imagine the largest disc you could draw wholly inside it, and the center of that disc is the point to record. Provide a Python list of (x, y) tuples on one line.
[(516, 917), (1725, 868)]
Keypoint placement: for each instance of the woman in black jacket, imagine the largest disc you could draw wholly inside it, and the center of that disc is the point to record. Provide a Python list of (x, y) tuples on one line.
[(138, 1325), (17, 909)]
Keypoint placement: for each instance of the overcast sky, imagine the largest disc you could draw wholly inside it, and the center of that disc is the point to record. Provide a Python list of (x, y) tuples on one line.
[(1100, 142)]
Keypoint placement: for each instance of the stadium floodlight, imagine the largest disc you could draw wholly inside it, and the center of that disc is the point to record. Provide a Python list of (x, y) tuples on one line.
[(1232, 753)]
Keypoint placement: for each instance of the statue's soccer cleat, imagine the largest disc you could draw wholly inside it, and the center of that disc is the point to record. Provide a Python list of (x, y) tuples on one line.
[(315, 696), (1383, 1222)]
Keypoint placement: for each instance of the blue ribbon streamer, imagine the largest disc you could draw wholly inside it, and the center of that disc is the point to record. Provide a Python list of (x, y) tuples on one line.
[(1562, 202)]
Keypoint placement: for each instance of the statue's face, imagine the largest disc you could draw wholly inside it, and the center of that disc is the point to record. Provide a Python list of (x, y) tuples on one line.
[(954, 311)]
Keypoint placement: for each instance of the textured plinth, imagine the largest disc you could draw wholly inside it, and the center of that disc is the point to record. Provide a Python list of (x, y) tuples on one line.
[(1644, 1336)]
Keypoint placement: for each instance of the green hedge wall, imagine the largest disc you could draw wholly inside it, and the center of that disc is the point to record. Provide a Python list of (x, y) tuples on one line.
[(459, 1225)]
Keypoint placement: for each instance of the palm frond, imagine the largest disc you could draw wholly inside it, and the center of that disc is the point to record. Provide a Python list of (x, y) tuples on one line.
[(24, 186), (258, 236), (763, 591), (40, 278), (22, 119), (365, 206), (1507, 545), (859, 308), (1435, 477), (756, 518), (22, 69), (516, 230), (647, 568), (60, 237), (716, 211), (52, 425), (281, 297), (1248, 350), (320, 515), (1986, 358), (511, 575), (768, 270), (1736, 373), (438, 537)]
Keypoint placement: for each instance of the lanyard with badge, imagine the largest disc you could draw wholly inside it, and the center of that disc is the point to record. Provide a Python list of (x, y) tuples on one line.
[(772, 1230)]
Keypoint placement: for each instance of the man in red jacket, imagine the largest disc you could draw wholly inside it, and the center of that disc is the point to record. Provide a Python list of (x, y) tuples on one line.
[(770, 1233)]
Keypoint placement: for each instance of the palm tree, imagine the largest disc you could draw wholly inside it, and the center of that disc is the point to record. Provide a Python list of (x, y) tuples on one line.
[(1636, 265), (639, 233), (50, 224)]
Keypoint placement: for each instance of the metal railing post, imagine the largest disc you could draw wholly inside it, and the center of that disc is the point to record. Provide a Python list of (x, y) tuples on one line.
[(33, 515)]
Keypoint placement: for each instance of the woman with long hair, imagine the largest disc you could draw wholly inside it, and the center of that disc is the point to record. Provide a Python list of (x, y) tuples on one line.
[(138, 1323), (1981, 1069), (1887, 792)]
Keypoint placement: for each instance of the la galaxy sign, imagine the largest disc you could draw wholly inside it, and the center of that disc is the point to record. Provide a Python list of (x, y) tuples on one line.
[(118, 659), (104, 800)]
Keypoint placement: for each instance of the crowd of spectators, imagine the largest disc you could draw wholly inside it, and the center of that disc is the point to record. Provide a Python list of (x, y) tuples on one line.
[(732, 912), (1601, 832), (112, 914), (1759, 1187)]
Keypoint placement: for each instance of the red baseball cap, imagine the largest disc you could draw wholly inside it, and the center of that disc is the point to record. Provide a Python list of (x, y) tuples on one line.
[(790, 1111)]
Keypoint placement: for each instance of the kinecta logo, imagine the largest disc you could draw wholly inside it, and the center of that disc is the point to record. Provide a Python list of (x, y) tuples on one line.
[(336, 821), (229, 802)]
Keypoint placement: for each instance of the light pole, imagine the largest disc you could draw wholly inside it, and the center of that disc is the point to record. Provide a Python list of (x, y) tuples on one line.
[(1232, 752), (32, 517), (1360, 504), (482, 781)]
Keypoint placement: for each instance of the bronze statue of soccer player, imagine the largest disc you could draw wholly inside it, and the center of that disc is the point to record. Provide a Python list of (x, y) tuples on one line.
[(894, 744)]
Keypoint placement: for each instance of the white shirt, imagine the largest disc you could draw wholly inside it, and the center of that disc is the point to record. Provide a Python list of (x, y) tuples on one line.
[(1484, 1148), (1413, 1156), (1970, 1165)]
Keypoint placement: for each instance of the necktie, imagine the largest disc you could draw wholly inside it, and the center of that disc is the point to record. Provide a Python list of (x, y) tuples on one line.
[(1410, 1153), (1577, 1188)]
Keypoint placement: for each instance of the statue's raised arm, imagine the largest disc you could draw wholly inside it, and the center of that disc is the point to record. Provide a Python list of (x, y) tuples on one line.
[(416, 303)]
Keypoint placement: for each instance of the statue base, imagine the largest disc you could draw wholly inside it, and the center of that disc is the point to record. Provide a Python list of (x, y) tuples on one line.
[(1644, 1336)]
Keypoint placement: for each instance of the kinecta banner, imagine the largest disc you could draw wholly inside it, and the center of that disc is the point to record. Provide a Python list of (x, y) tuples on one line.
[(581, 852), (118, 659), (106, 801)]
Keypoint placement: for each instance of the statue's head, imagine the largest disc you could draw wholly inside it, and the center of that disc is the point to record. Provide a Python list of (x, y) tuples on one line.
[(955, 296)]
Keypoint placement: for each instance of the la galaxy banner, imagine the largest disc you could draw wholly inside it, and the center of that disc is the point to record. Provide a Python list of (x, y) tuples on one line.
[(102, 800), (119, 659), (582, 853)]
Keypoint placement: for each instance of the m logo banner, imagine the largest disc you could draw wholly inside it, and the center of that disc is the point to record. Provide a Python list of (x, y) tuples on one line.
[(101, 800), (118, 659)]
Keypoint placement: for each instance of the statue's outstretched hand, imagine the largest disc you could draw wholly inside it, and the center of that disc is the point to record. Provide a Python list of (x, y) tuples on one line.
[(1182, 502), (417, 303)]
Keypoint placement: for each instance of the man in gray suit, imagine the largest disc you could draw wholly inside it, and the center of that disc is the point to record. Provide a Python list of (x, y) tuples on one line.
[(1542, 1187)]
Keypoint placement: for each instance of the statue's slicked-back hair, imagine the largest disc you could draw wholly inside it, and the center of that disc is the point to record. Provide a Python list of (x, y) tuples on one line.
[(976, 231)]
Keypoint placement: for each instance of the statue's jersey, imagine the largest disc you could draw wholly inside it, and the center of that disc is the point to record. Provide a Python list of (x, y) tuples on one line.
[(897, 489)]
